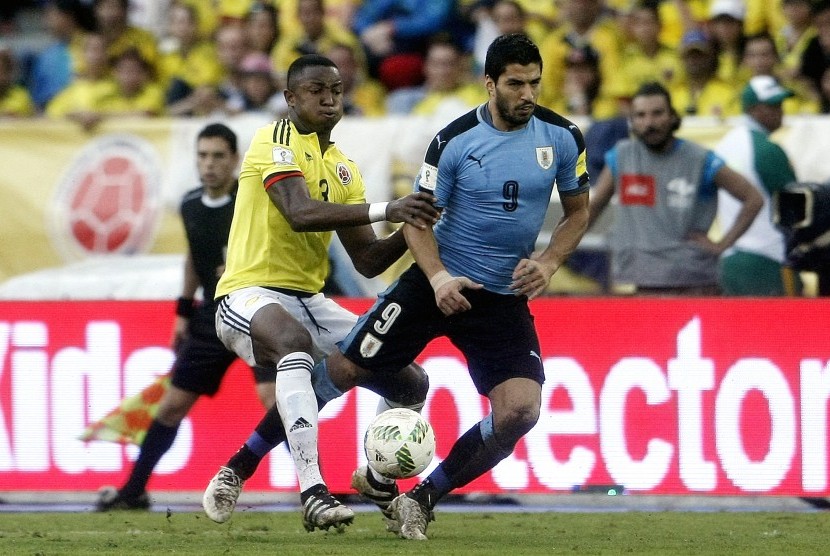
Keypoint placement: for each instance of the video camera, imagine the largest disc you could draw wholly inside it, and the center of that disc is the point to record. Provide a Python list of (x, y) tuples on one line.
[(802, 212)]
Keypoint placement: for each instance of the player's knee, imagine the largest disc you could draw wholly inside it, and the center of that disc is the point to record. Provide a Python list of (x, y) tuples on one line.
[(517, 422), (344, 374), (170, 414), (270, 346), (528, 416), (406, 388), (175, 405), (417, 385)]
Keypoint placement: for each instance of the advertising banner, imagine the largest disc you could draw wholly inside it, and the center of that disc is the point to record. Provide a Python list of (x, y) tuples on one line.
[(683, 396)]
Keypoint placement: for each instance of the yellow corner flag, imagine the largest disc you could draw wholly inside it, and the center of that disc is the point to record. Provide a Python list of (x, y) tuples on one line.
[(128, 423)]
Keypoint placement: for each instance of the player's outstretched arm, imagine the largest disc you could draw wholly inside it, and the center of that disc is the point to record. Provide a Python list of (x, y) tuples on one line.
[(304, 214)]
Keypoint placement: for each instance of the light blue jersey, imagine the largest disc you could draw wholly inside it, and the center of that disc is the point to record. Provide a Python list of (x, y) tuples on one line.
[(495, 187)]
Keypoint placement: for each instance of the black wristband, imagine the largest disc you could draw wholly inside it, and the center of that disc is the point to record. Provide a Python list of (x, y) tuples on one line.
[(185, 307)]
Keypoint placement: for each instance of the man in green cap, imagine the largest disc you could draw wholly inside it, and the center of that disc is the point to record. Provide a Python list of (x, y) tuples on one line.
[(754, 265)]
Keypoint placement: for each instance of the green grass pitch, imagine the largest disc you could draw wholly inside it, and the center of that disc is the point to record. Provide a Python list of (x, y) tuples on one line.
[(497, 534)]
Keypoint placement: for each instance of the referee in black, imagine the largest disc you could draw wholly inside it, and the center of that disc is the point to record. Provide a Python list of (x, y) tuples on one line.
[(201, 359)]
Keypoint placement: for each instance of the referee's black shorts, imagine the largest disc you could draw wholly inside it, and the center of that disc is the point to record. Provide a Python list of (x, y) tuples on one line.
[(203, 360), (497, 336)]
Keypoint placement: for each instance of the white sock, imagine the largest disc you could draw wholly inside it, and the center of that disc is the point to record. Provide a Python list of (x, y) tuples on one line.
[(298, 410)]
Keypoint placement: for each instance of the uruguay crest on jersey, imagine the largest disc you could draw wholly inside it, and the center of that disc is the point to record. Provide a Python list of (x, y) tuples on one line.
[(544, 157)]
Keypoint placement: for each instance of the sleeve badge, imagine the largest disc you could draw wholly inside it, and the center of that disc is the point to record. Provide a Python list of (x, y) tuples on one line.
[(281, 155)]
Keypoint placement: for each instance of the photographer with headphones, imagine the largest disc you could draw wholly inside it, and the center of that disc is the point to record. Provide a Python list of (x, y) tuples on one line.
[(667, 197)]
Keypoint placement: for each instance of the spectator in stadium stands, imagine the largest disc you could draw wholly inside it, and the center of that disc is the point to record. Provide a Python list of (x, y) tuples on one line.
[(136, 93), (15, 100), (81, 100), (699, 91), (395, 34), (726, 29), (678, 16), (761, 58), (493, 19), (539, 17), (816, 57), (316, 34), (188, 61), (66, 21), (585, 22), (447, 89), (201, 359), (763, 16), (231, 48), (582, 93), (793, 37), (112, 23), (295, 189), (667, 200), (260, 87), (644, 59), (261, 30), (754, 264), (362, 95)]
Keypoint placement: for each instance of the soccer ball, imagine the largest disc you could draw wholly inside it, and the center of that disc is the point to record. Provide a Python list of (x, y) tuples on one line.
[(399, 443)]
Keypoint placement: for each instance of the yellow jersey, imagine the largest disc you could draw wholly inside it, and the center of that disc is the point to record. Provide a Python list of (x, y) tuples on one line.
[(263, 250), (149, 101), (16, 102), (717, 98), (197, 67), (82, 95)]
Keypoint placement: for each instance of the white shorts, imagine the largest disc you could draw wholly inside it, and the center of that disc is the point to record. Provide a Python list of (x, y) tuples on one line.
[(325, 320)]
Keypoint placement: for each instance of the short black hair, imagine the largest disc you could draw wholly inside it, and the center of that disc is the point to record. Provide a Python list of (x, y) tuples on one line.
[(652, 89), (303, 62), (221, 131), (513, 48), (820, 7), (80, 12)]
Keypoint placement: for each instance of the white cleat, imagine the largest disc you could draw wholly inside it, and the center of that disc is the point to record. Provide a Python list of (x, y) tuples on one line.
[(221, 495), (381, 494), (412, 518)]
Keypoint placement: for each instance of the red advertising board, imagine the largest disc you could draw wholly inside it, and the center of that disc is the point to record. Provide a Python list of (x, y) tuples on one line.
[(685, 396)]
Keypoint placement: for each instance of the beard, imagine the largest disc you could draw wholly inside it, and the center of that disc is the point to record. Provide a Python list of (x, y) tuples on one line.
[(655, 139), (511, 115)]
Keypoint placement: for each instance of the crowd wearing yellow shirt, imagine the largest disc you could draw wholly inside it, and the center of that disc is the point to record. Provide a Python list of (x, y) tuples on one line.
[(596, 53)]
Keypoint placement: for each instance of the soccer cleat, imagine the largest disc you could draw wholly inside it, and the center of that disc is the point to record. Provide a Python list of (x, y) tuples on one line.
[(412, 517), (321, 510), (380, 493), (109, 498), (221, 495)]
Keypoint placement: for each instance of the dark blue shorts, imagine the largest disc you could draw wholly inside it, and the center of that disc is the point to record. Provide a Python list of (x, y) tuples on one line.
[(203, 360), (497, 336)]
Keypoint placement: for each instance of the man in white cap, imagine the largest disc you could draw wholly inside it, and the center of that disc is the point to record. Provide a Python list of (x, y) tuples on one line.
[(754, 264)]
